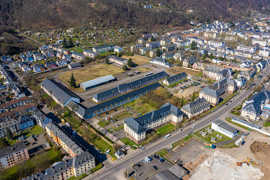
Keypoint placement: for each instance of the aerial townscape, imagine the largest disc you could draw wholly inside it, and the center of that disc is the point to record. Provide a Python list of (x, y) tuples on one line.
[(100, 103)]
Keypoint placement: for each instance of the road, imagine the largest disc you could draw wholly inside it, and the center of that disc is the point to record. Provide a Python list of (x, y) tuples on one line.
[(107, 173)]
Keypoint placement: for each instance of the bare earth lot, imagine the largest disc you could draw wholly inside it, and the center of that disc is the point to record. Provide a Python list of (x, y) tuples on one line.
[(140, 60), (89, 72)]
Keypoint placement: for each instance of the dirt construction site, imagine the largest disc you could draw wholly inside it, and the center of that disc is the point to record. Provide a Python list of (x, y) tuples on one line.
[(251, 161)]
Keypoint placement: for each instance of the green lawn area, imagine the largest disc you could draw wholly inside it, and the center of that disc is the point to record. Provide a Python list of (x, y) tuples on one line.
[(207, 138), (140, 107), (236, 110), (129, 142), (72, 119), (37, 163), (162, 152), (97, 141), (228, 119), (165, 129), (77, 49), (122, 115), (35, 130), (266, 124), (98, 167), (103, 123), (78, 178)]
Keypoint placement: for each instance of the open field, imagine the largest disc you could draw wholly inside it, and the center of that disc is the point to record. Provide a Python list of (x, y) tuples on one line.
[(90, 72), (139, 60), (178, 69)]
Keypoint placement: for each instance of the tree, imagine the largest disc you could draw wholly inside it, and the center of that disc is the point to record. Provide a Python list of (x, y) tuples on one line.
[(72, 81), (64, 43), (194, 96), (193, 45), (70, 43), (125, 68), (9, 134), (130, 63), (107, 61), (158, 53)]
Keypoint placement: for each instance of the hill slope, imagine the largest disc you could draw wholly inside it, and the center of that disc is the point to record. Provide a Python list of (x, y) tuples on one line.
[(39, 14)]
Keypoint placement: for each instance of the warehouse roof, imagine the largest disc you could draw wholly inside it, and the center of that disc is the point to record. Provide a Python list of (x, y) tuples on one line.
[(225, 126), (97, 81)]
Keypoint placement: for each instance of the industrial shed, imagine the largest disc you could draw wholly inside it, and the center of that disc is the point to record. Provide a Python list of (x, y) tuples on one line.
[(97, 82)]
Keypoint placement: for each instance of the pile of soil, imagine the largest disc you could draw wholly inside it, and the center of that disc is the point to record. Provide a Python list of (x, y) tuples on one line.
[(257, 147)]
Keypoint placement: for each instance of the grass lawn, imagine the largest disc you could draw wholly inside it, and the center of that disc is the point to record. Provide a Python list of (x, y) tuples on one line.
[(37, 163), (97, 141), (35, 130), (228, 119), (77, 49), (90, 72), (122, 115), (78, 177), (266, 124), (103, 123), (140, 107), (165, 129), (143, 69), (129, 142), (207, 138), (140, 60), (162, 152)]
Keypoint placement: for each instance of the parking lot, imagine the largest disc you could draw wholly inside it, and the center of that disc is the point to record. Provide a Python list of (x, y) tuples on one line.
[(147, 168)]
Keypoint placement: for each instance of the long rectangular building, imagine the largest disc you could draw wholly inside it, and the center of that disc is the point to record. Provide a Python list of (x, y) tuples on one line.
[(97, 82), (59, 94), (136, 128), (125, 87), (87, 113)]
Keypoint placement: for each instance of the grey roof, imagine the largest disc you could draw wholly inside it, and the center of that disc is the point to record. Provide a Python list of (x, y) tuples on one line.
[(139, 124), (176, 77), (75, 65), (97, 81), (59, 93), (12, 149), (196, 106), (225, 126), (57, 131), (210, 92)]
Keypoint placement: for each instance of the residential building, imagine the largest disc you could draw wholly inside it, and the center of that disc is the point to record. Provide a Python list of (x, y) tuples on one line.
[(175, 78), (102, 49), (216, 73), (77, 56), (252, 108), (12, 155), (188, 62), (160, 61), (74, 65), (64, 170), (60, 94), (196, 107), (118, 60), (212, 93), (63, 140), (136, 128), (89, 53), (224, 128), (232, 87)]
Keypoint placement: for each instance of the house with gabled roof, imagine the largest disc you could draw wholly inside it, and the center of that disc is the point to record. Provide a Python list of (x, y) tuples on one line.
[(136, 128), (196, 107)]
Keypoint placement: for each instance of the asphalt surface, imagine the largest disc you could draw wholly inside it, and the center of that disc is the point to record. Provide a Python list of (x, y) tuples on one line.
[(107, 173)]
